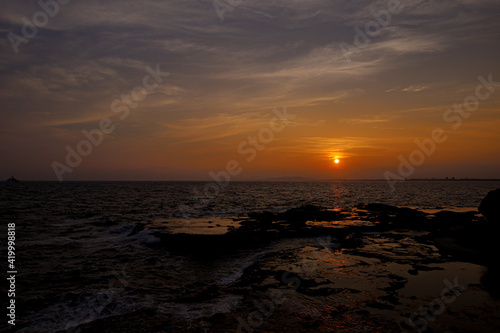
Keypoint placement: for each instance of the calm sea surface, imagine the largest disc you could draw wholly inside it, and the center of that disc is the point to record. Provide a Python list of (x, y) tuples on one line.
[(141, 200), (79, 261)]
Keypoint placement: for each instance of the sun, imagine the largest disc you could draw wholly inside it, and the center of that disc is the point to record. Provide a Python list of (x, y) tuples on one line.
[(335, 158)]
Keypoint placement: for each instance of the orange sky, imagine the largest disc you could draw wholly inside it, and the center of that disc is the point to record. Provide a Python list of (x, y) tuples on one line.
[(226, 78)]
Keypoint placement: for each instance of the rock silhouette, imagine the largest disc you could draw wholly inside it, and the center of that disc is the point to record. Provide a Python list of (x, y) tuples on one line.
[(490, 206)]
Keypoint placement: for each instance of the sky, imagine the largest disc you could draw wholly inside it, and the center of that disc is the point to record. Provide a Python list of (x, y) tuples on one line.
[(272, 88)]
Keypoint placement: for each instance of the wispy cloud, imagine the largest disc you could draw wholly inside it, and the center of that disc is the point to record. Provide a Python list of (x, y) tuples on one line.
[(416, 88), (344, 147), (226, 77), (215, 127), (373, 120)]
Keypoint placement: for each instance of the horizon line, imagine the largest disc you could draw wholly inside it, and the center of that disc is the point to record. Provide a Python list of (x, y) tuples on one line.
[(271, 180)]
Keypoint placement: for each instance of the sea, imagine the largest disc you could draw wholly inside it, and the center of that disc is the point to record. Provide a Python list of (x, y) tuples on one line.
[(81, 257)]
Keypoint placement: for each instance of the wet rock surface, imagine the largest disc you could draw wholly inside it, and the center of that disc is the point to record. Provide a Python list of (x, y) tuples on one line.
[(372, 268)]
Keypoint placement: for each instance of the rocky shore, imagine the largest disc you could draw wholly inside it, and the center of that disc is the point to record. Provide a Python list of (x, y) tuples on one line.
[(370, 268)]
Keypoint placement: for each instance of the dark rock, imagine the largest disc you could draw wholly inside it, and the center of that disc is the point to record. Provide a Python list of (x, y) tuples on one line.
[(264, 217), (390, 216), (137, 229), (448, 218), (490, 280), (380, 306), (353, 240), (296, 216), (490, 206), (325, 291), (198, 293), (390, 299)]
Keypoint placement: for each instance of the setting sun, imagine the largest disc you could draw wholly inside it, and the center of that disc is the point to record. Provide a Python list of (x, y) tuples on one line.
[(336, 161)]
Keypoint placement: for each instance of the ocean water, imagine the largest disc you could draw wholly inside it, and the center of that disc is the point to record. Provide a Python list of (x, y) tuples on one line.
[(80, 256)]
